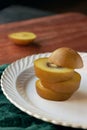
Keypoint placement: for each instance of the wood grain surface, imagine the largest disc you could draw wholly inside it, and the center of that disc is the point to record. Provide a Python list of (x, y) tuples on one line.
[(65, 30)]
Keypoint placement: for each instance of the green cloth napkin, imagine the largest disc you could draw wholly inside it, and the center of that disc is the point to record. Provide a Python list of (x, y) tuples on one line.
[(11, 118)]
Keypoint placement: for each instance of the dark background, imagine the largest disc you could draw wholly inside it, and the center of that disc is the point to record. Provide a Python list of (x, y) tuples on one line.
[(16, 10), (58, 6)]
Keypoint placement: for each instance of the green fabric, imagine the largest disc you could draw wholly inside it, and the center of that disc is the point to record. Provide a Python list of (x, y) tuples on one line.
[(11, 118)]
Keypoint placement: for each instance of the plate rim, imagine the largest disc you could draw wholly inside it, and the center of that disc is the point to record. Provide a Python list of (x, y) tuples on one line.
[(68, 124)]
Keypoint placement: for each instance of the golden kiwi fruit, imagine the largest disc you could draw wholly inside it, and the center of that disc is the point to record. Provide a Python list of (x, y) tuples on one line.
[(57, 78)]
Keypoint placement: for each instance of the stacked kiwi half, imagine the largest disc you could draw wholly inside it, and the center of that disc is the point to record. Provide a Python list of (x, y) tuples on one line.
[(57, 78)]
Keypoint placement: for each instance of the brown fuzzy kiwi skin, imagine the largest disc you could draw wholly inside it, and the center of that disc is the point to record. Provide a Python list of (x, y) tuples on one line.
[(66, 57)]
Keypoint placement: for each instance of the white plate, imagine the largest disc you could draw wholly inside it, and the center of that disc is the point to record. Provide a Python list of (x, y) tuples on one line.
[(18, 85)]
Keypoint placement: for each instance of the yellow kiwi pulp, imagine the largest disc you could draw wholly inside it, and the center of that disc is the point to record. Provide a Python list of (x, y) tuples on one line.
[(22, 38), (49, 94), (68, 86), (51, 73)]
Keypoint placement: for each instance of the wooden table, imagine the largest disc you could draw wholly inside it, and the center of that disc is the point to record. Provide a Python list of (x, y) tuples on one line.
[(52, 32)]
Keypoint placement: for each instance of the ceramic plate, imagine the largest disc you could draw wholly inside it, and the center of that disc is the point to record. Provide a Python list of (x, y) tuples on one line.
[(18, 85)]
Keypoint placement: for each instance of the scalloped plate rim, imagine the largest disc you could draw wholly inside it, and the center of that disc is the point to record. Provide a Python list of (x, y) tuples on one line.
[(36, 115)]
